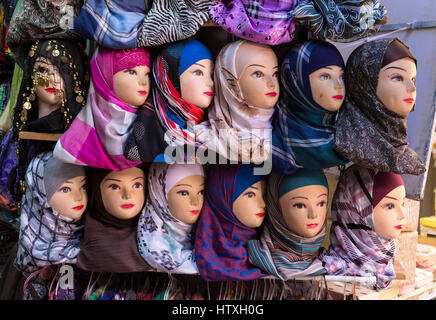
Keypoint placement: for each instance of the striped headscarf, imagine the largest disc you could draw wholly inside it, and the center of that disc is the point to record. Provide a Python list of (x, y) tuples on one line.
[(262, 21), (303, 132), (221, 239), (355, 247), (280, 251)]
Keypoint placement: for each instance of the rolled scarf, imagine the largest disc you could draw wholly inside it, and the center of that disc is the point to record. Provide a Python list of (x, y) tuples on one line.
[(262, 21), (221, 239), (303, 132), (355, 248), (165, 242), (232, 123), (340, 20), (46, 237), (172, 113), (368, 133), (97, 136), (109, 243), (111, 23), (280, 251), (172, 20), (8, 160)]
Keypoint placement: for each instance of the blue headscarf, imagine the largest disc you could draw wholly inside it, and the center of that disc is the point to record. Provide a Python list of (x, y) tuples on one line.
[(303, 131)]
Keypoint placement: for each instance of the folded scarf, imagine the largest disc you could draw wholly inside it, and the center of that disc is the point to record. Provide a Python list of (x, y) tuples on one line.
[(8, 160)]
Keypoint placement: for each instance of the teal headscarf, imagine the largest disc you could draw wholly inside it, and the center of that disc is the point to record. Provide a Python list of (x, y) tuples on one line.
[(302, 178)]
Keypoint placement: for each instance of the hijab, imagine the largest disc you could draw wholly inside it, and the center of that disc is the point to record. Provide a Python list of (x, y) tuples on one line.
[(303, 130), (97, 136), (165, 242), (221, 239), (46, 236), (280, 251), (368, 133), (355, 247)]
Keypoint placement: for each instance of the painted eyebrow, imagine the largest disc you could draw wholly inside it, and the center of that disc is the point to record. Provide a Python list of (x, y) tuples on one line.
[(198, 64), (256, 65), (324, 194), (255, 188), (183, 184), (391, 198), (112, 179), (396, 68), (299, 197), (137, 178)]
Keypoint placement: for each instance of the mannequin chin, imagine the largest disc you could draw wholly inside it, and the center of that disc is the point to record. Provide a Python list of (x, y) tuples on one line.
[(133, 85), (186, 197), (304, 209), (249, 208), (196, 84), (388, 215), (259, 79), (396, 87), (70, 199), (123, 192), (50, 93), (327, 87)]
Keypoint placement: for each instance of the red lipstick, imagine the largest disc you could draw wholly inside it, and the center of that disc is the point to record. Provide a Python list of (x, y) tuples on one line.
[(52, 90), (339, 97), (410, 100), (142, 92), (399, 227), (78, 207), (208, 93), (127, 206), (312, 225), (271, 94), (195, 211), (260, 214)]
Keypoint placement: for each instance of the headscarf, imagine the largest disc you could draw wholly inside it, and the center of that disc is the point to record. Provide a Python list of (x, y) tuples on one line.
[(368, 133), (97, 136), (165, 242), (262, 21), (46, 236), (280, 251), (8, 160), (221, 239), (172, 112), (113, 24), (110, 243), (172, 20), (243, 125), (355, 247), (340, 20), (303, 130)]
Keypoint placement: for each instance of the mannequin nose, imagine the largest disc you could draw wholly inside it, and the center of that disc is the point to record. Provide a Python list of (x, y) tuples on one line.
[(312, 214), (125, 194), (143, 80), (194, 201), (400, 214), (411, 86), (270, 83), (338, 83), (262, 203), (78, 195)]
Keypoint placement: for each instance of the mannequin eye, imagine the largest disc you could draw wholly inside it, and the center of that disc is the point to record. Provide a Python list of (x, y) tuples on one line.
[(276, 74), (41, 69), (257, 74), (201, 192), (322, 204), (397, 78), (389, 206), (325, 76), (131, 72), (183, 193), (198, 72), (114, 187), (137, 185), (250, 194), (414, 80), (299, 205), (65, 189), (84, 187)]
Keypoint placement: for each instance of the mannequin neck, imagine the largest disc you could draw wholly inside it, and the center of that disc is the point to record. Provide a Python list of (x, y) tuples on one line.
[(44, 108)]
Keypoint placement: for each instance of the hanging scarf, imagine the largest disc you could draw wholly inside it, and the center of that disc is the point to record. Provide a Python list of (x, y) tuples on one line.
[(172, 20), (232, 122), (109, 243), (355, 248), (111, 23), (262, 21), (221, 239), (165, 242), (368, 133), (172, 112), (97, 136), (8, 160), (340, 20), (280, 251), (46, 237), (303, 131)]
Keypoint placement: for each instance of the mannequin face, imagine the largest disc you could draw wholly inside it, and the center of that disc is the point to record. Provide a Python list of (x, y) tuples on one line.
[(123, 192), (259, 80), (70, 199), (328, 88), (196, 84), (49, 88), (133, 85), (388, 215), (396, 86), (185, 199), (304, 209), (249, 207)]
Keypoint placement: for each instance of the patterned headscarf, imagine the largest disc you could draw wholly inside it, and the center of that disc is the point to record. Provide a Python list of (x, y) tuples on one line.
[(280, 251), (221, 239), (368, 133), (165, 242), (243, 126), (303, 130), (46, 237), (97, 136), (340, 20), (262, 21), (355, 247)]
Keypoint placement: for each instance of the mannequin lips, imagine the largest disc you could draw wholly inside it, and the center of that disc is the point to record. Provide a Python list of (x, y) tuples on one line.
[(127, 206), (142, 92), (208, 93), (409, 100), (195, 211), (52, 90), (399, 227), (78, 207), (312, 225), (260, 214), (339, 97), (271, 94)]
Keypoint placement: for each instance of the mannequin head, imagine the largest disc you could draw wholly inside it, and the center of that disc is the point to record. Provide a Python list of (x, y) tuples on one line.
[(303, 202), (249, 208), (388, 201), (123, 193), (327, 85), (258, 74), (131, 75), (186, 195)]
